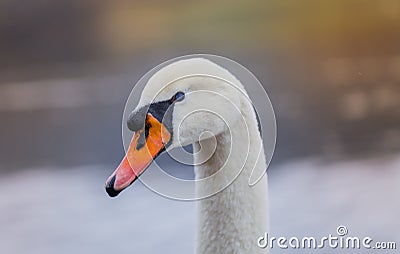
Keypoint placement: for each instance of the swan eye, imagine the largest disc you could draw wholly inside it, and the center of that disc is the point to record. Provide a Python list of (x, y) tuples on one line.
[(179, 96)]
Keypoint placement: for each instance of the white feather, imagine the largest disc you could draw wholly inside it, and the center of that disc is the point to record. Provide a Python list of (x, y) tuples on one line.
[(232, 220)]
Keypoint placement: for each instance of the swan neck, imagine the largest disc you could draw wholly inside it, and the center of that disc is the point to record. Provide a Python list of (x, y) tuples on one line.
[(232, 220)]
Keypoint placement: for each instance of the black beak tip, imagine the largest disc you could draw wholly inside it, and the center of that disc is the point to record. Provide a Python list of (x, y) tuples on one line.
[(112, 192), (110, 188)]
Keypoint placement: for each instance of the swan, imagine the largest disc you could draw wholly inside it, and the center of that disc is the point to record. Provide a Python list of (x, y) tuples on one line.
[(196, 101)]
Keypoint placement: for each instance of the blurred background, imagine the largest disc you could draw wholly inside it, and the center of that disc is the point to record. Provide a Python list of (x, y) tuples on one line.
[(331, 69)]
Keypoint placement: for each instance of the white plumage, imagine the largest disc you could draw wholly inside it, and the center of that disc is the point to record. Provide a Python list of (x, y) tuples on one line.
[(232, 220)]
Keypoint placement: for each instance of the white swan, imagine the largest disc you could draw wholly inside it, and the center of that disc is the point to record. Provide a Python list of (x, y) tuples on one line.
[(214, 101)]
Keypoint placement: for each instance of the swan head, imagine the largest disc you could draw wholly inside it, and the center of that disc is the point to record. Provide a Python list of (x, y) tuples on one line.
[(183, 103)]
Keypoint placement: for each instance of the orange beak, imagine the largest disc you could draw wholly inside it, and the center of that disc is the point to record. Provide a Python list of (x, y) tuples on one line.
[(138, 158)]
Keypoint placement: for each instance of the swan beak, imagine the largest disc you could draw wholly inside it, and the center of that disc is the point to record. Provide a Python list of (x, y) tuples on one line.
[(139, 156)]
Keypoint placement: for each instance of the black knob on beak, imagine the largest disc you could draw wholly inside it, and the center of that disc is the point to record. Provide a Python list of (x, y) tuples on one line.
[(136, 119)]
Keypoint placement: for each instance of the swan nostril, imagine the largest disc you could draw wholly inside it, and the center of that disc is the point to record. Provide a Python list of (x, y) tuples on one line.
[(142, 139), (110, 187)]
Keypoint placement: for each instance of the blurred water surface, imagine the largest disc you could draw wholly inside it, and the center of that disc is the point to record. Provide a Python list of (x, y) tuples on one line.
[(44, 210)]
